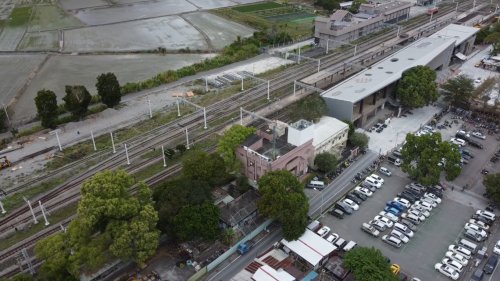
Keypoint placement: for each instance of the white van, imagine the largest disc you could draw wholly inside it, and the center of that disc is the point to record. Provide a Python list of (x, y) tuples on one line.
[(373, 182), (468, 245), (319, 185)]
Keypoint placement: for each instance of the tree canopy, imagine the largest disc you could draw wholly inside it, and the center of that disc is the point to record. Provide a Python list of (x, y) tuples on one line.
[(359, 139), (369, 264), (458, 90), (355, 6), (326, 161), (492, 183), (170, 196), (108, 89), (417, 87), (328, 5), (126, 227), (283, 199), (199, 165), (229, 141), (310, 108), (422, 154), (77, 100), (352, 128), (46, 106), (197, 221), (494, 39)]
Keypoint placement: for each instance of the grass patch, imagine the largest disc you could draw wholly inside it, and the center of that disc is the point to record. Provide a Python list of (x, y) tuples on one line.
[(54, 218), (17, 22), (21, 13), (151, 154), (2, 22), (30, 131), (257, 7), (16, 200), (299, 20)]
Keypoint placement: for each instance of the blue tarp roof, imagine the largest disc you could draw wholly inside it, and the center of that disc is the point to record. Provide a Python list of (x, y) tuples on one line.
[(310, 276)]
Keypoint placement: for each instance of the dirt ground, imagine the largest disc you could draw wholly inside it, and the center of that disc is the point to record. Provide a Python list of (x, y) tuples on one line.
[(61, 70)]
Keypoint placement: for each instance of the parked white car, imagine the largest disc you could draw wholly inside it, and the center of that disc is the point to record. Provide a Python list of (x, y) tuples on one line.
[(480, 224), (486, 214), (332, 238), (433, 197), (377, 178), (479, 135), (460, 250), (364, 190), (322, 232), (421, 210), (496, 249), (390, 216), (453, 264), (475, 228), (402, 201), (415, 212), (458, 142), (446, 271), (429, 201), (351, 204), (425, 205), (459, 258), (400, 236), (384, 220)]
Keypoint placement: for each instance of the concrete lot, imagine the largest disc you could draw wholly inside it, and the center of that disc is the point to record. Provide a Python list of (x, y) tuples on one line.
[(78, 4), (425, 249)]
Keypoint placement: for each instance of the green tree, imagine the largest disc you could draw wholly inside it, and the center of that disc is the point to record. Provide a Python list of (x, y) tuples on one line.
[(170, 196), (328, 5), (181, 148), (485, 88), (199, 165), (492, 183), (369, 264), (326, 161), (359, 139), (355, 6), (310, 108), (229, 141), (169, 153), (77, 100), (21, 277), (46, 106), (494, 39), (422, 155), (108, 89), (111, 223), (283, 199), (458, 90), (481, 35), (417, 87), (352, 128), (197, 221)]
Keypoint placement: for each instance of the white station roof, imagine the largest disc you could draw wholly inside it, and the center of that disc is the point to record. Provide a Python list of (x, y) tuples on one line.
[(458, 32), (310, 247), (389, 70)]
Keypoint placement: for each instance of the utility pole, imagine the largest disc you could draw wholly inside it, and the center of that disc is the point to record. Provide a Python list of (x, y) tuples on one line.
[(112, 142), (1, 207), (150, 112), (58, 142), (31, 209), (93, 142), (163, 154), (126, 154), (43, 213), (7, 114)]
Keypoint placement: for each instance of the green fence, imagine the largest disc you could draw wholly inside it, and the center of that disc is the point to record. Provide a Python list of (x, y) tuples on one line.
[(198, 274)]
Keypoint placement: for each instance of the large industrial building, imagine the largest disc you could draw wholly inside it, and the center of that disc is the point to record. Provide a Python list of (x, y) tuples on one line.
[(464, 38), (343, 26), (358, 98)]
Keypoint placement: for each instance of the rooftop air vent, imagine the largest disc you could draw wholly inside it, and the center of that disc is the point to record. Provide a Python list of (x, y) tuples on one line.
[(411, 59), (337, 93), (380, 67), (394, 59), (360, 90), (368, 74), (389, 72)]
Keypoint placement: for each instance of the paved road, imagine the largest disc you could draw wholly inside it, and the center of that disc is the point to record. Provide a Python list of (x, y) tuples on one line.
[(325, 199)]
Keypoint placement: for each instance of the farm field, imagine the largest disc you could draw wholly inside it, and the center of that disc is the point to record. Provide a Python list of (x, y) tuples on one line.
[(13, 73), (50, 17), (220, 31), (212, 4), (134, 11), (171, 32), (6, 8), (80, 4), (40, 41), (61, 70), (14, 29), (30, 3)]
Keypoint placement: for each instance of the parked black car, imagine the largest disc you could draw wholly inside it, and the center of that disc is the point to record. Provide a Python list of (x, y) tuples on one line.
[(337, 213), (476, 144), (408, 196), (483, 219), (354, 198), (360, 195), (415, 194), (490, 264), (344, 208), (435, 191)]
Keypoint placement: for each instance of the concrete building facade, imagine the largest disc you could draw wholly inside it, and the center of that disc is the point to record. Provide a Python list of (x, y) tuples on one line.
[(343, 26), (358, 98)]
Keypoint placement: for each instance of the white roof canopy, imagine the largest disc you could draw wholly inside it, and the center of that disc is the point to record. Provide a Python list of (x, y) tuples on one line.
[(267, 273), (310, 247)]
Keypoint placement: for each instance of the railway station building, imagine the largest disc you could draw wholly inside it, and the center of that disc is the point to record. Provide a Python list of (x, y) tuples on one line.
[(464, 38), (359, 97)]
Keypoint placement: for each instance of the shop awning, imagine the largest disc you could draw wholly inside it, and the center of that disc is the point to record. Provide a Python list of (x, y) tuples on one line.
[(461, 56)]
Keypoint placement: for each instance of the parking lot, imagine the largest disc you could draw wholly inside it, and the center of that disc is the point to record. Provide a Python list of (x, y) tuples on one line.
[(430, 242)]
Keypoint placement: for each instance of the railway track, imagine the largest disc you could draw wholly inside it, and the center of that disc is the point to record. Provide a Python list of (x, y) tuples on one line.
[(163, 134), (215, 111)]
